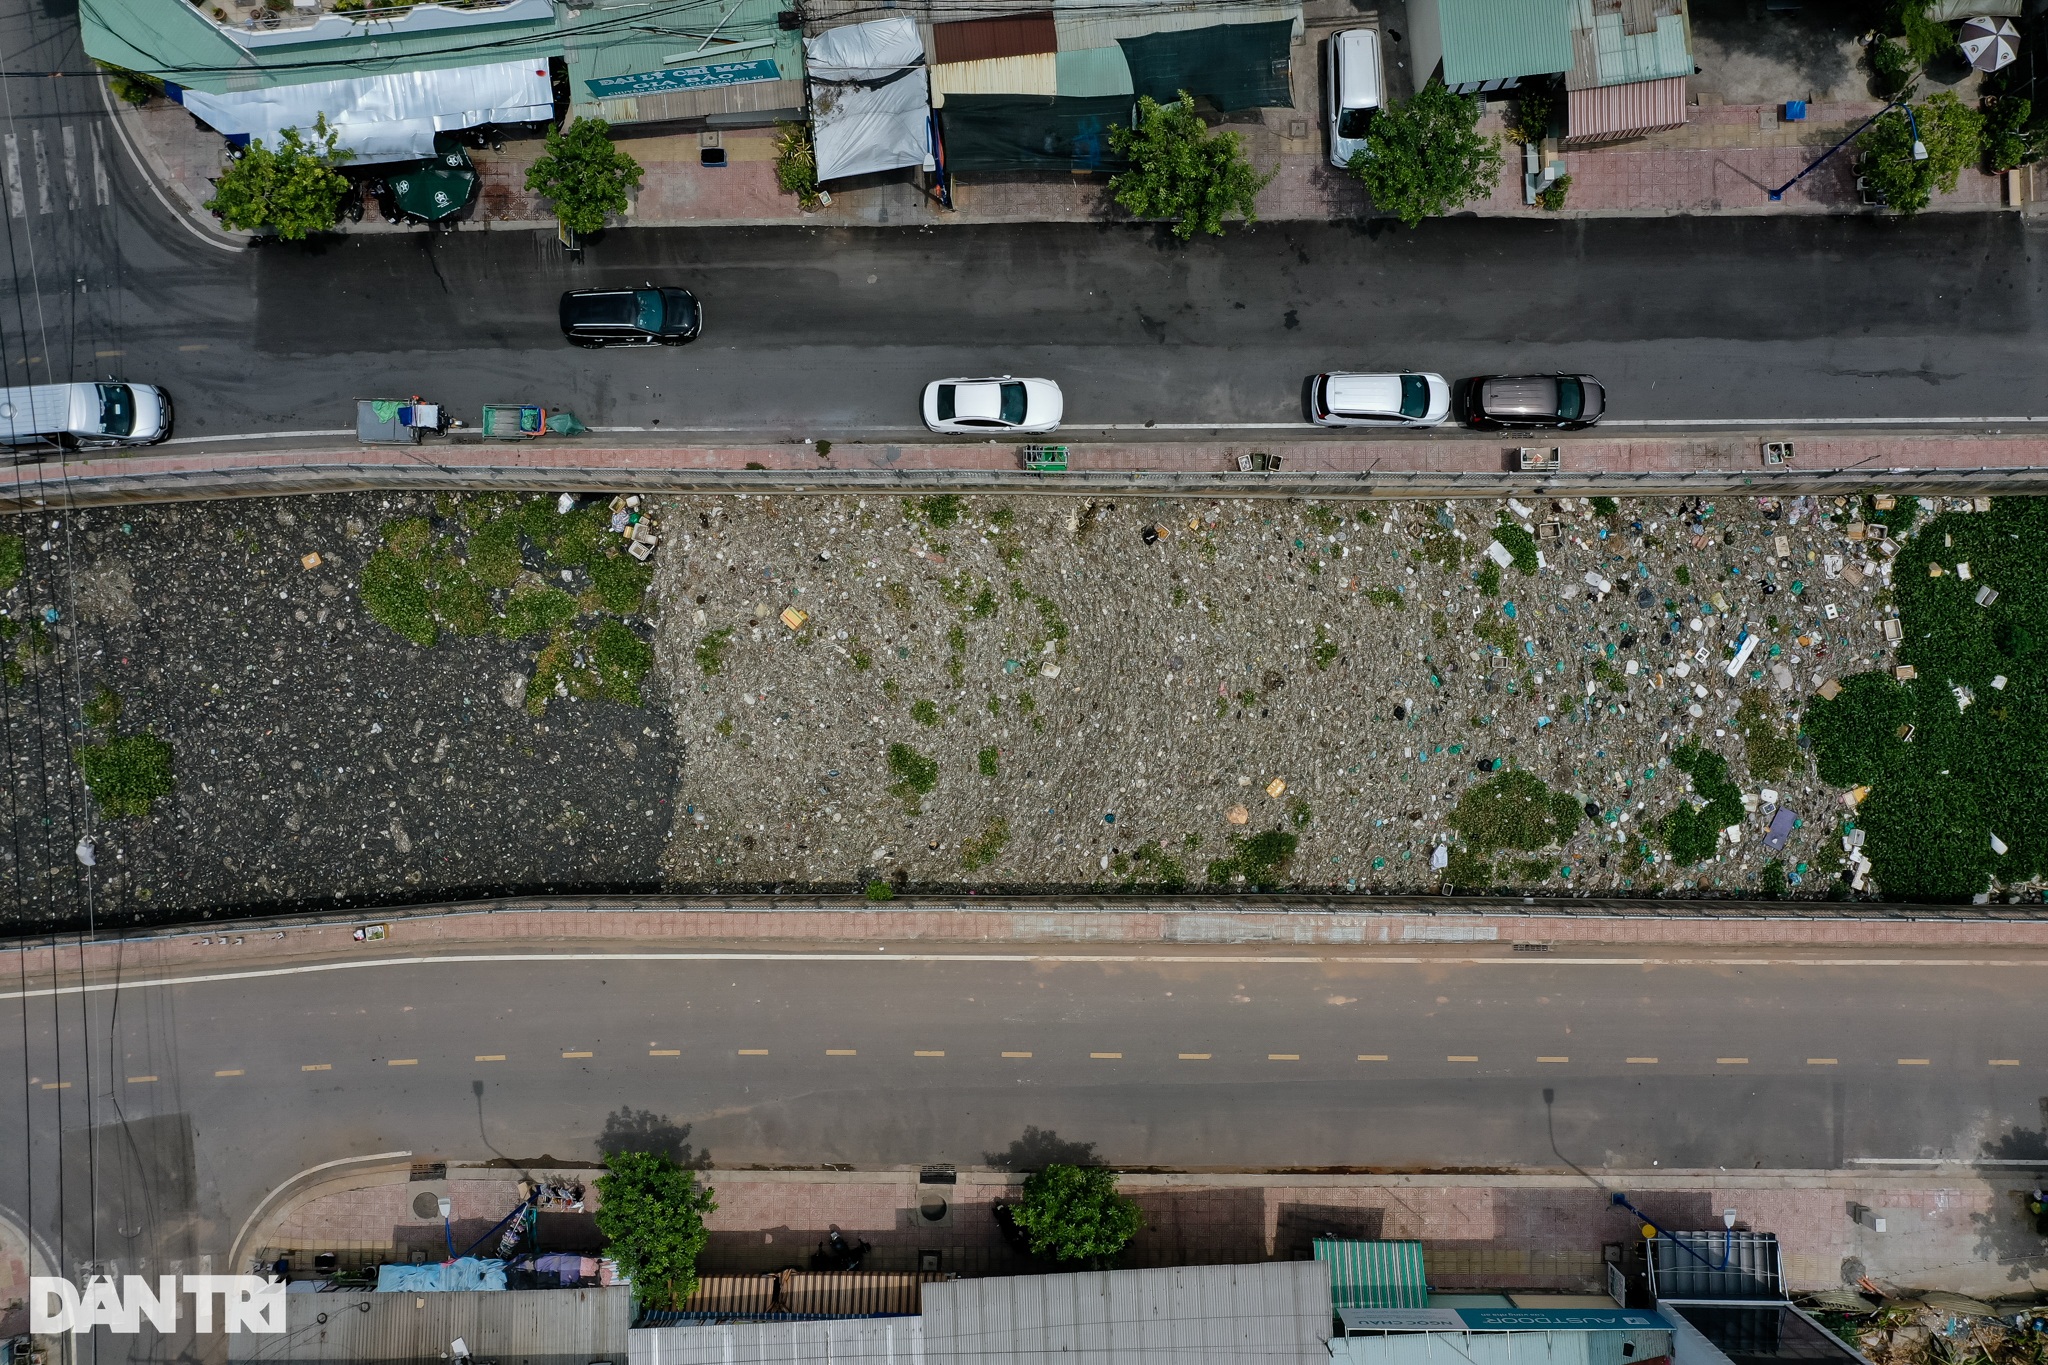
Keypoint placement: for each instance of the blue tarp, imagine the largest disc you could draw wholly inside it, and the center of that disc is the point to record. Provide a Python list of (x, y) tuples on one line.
[(468, 1273)]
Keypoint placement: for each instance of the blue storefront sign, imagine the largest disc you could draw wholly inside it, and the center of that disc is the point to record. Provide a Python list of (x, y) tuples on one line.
[(685, 78)]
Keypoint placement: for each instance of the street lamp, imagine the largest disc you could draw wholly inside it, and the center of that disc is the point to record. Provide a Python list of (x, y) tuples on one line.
[(1919, 147)]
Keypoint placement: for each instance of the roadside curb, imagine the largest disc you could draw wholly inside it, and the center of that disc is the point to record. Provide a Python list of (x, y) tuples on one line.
[(650, 924), (150, 166), (1205, 466)]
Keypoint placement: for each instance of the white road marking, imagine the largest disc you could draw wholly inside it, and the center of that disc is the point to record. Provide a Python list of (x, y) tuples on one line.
[(1188, 426), (101, 194), (42, 153), (257, 436), (1083, 959), (16, 207), (135, 160), (70, 167), (1820, 421), (1940, 1161)]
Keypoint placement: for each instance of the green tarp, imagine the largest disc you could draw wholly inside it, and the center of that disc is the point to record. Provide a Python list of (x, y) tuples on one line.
[(1374, 1274), (1232, 66), (1010, 133)]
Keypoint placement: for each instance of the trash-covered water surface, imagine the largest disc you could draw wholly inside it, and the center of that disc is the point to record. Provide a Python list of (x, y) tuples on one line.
[(1042, 692)]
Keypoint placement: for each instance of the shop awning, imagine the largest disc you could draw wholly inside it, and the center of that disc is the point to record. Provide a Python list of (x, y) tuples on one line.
[(1004, 134), (385, 118), (1611, 111), (870, 98), (1374, 1274)]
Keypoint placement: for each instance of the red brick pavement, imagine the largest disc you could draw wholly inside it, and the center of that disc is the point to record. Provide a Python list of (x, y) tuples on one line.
[(629, 924), (1645, 454), (1945, 1230)]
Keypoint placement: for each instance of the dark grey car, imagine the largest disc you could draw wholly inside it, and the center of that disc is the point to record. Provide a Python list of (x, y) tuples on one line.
[(631, 317), (1568, 402)]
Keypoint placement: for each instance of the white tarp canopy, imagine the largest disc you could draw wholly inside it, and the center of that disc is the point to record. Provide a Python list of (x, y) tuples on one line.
[(870, 98), (387, 118)]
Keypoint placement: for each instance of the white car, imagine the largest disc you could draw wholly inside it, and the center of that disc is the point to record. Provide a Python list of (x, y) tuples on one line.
[(1355, 90), (998, 403), (1379, 400)]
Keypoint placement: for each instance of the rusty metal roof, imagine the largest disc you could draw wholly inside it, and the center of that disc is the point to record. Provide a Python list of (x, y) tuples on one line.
[(1008, 35)]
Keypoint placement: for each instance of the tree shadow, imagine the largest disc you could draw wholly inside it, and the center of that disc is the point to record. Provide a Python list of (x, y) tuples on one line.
[(642, 1130), (2006, 1236), (1040, 1148)]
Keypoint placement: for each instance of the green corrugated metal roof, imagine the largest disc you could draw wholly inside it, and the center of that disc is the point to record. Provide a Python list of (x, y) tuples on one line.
[(1622, 58), (171, 40), (616, 40), (1374, 1274), (1495, 40)]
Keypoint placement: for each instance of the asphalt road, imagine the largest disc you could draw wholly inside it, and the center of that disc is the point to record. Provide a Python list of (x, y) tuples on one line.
[(816, 332), (190, 1102)]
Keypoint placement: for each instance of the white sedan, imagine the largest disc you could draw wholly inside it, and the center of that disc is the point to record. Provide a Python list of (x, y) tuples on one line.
[(1379, 400), (996, 404)]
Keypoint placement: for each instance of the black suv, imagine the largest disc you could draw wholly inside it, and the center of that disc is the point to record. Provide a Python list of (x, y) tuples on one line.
[(631, 317), (1569, 402)]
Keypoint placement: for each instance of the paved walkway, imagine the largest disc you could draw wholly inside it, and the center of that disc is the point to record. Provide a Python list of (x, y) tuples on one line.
[(655, 923), (1737, 455), (1963, 1231), (1722, 162)]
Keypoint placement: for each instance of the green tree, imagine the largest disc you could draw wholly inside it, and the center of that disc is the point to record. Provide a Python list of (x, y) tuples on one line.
[(584, 175), (1954, 135), (1073, 1213), (1427, 157), (651, 1213), (1181, 171), (293, 191), (2008, 140)]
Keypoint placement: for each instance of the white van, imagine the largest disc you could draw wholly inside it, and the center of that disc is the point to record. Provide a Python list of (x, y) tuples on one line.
[(1355, 90), (109, 413)]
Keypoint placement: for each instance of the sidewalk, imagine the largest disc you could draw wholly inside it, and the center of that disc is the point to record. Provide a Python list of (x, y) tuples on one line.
[(1954, 1230), (1407, 927), (1419, 466), (1722, 162)]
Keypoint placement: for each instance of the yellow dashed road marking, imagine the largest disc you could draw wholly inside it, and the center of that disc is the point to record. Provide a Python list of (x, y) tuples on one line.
[(236, 1072), (403, 1061), (1731, 1061), (753, 1052), (56, 1085), (140, 1080), (1461, 1059), (197, 346), (1372, 1056), (1194, 1056), (567, 1055), (1820, 1061), (664, 1052), (922, 1053), (841, 1052), (104, 354), (490, 1056), (1024, 1055), (1283, 1056), (1107, 1056), (1553, 1059), (317, 1066), (1642, 1061), (2005, 1061), (1914, 1061)]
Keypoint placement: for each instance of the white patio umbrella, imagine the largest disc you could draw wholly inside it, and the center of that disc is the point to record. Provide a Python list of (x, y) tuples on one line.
[(1989, 43)]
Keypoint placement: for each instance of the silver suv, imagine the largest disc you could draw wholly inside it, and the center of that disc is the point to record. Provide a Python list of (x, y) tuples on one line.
[(1566, 402)]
